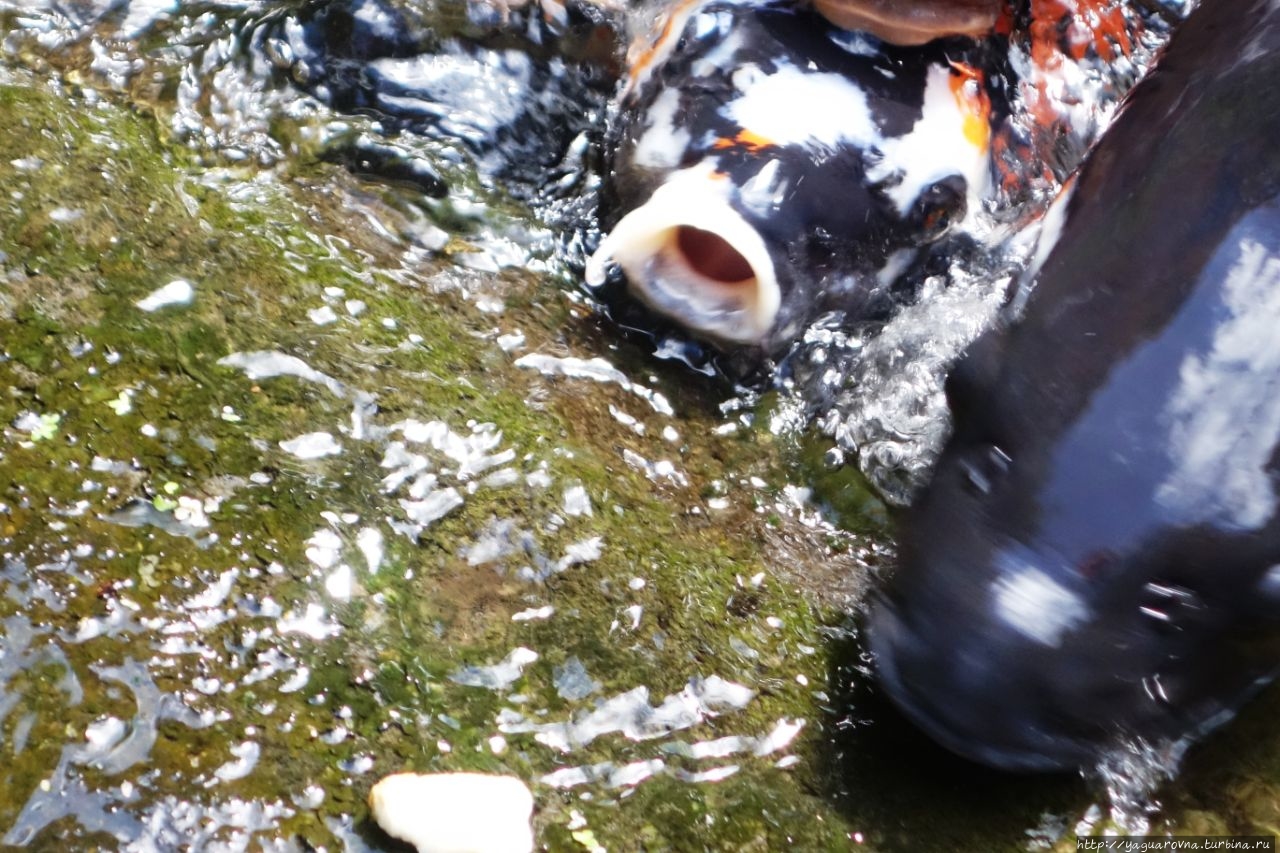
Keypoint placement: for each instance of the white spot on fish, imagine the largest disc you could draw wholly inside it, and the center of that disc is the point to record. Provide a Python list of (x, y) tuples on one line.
[(795, 107), (1037, 606), (663, 144)]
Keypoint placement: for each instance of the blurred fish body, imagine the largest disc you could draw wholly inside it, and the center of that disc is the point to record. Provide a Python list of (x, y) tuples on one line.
[(1097, 558), (768, 167)]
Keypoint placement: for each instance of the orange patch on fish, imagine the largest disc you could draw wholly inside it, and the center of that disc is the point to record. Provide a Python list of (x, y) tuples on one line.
[(745, 139), (1070, 30), (966, 87), (650, 50), (1104, 20), (1004, 22)]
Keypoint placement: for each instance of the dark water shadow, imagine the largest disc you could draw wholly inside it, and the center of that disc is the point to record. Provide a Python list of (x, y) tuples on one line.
[(1230, 782), (905, 793)]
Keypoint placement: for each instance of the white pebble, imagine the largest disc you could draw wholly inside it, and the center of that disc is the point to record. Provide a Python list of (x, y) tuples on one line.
[(455, 812)]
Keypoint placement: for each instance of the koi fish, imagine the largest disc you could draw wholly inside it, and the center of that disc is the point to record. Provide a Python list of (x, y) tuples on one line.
[(1097, 557), (768, 167)]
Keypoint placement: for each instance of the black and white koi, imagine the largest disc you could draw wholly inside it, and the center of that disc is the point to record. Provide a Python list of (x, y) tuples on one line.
[(768, 167), (1097, 558)]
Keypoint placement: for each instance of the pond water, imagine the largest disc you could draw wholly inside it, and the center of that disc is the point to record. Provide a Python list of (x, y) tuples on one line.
[(306, 479)]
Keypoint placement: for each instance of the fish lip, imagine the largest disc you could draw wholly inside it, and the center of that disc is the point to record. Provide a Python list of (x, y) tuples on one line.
[(884, 631), (644, 243), (706, 309)]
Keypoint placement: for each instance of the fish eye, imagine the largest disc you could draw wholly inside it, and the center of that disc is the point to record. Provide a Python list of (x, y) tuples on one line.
[(938, 208)]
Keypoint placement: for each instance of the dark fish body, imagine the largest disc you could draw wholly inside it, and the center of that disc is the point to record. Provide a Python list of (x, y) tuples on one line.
[(1098, 556), (768, 167)]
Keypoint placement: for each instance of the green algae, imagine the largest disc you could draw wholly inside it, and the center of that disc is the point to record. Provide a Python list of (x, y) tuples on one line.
[(147, 391)]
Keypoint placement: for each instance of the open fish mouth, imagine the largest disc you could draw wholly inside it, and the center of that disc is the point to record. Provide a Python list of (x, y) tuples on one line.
[(692, 257)]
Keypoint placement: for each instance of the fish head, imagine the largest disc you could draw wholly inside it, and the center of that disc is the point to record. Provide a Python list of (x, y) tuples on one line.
[(1047, 607), (768, 169)]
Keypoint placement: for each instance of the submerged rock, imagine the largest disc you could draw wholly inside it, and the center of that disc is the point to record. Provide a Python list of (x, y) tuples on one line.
[(455, 812)]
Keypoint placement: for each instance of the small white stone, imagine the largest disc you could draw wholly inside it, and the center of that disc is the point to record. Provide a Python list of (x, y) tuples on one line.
[(455, 812)]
